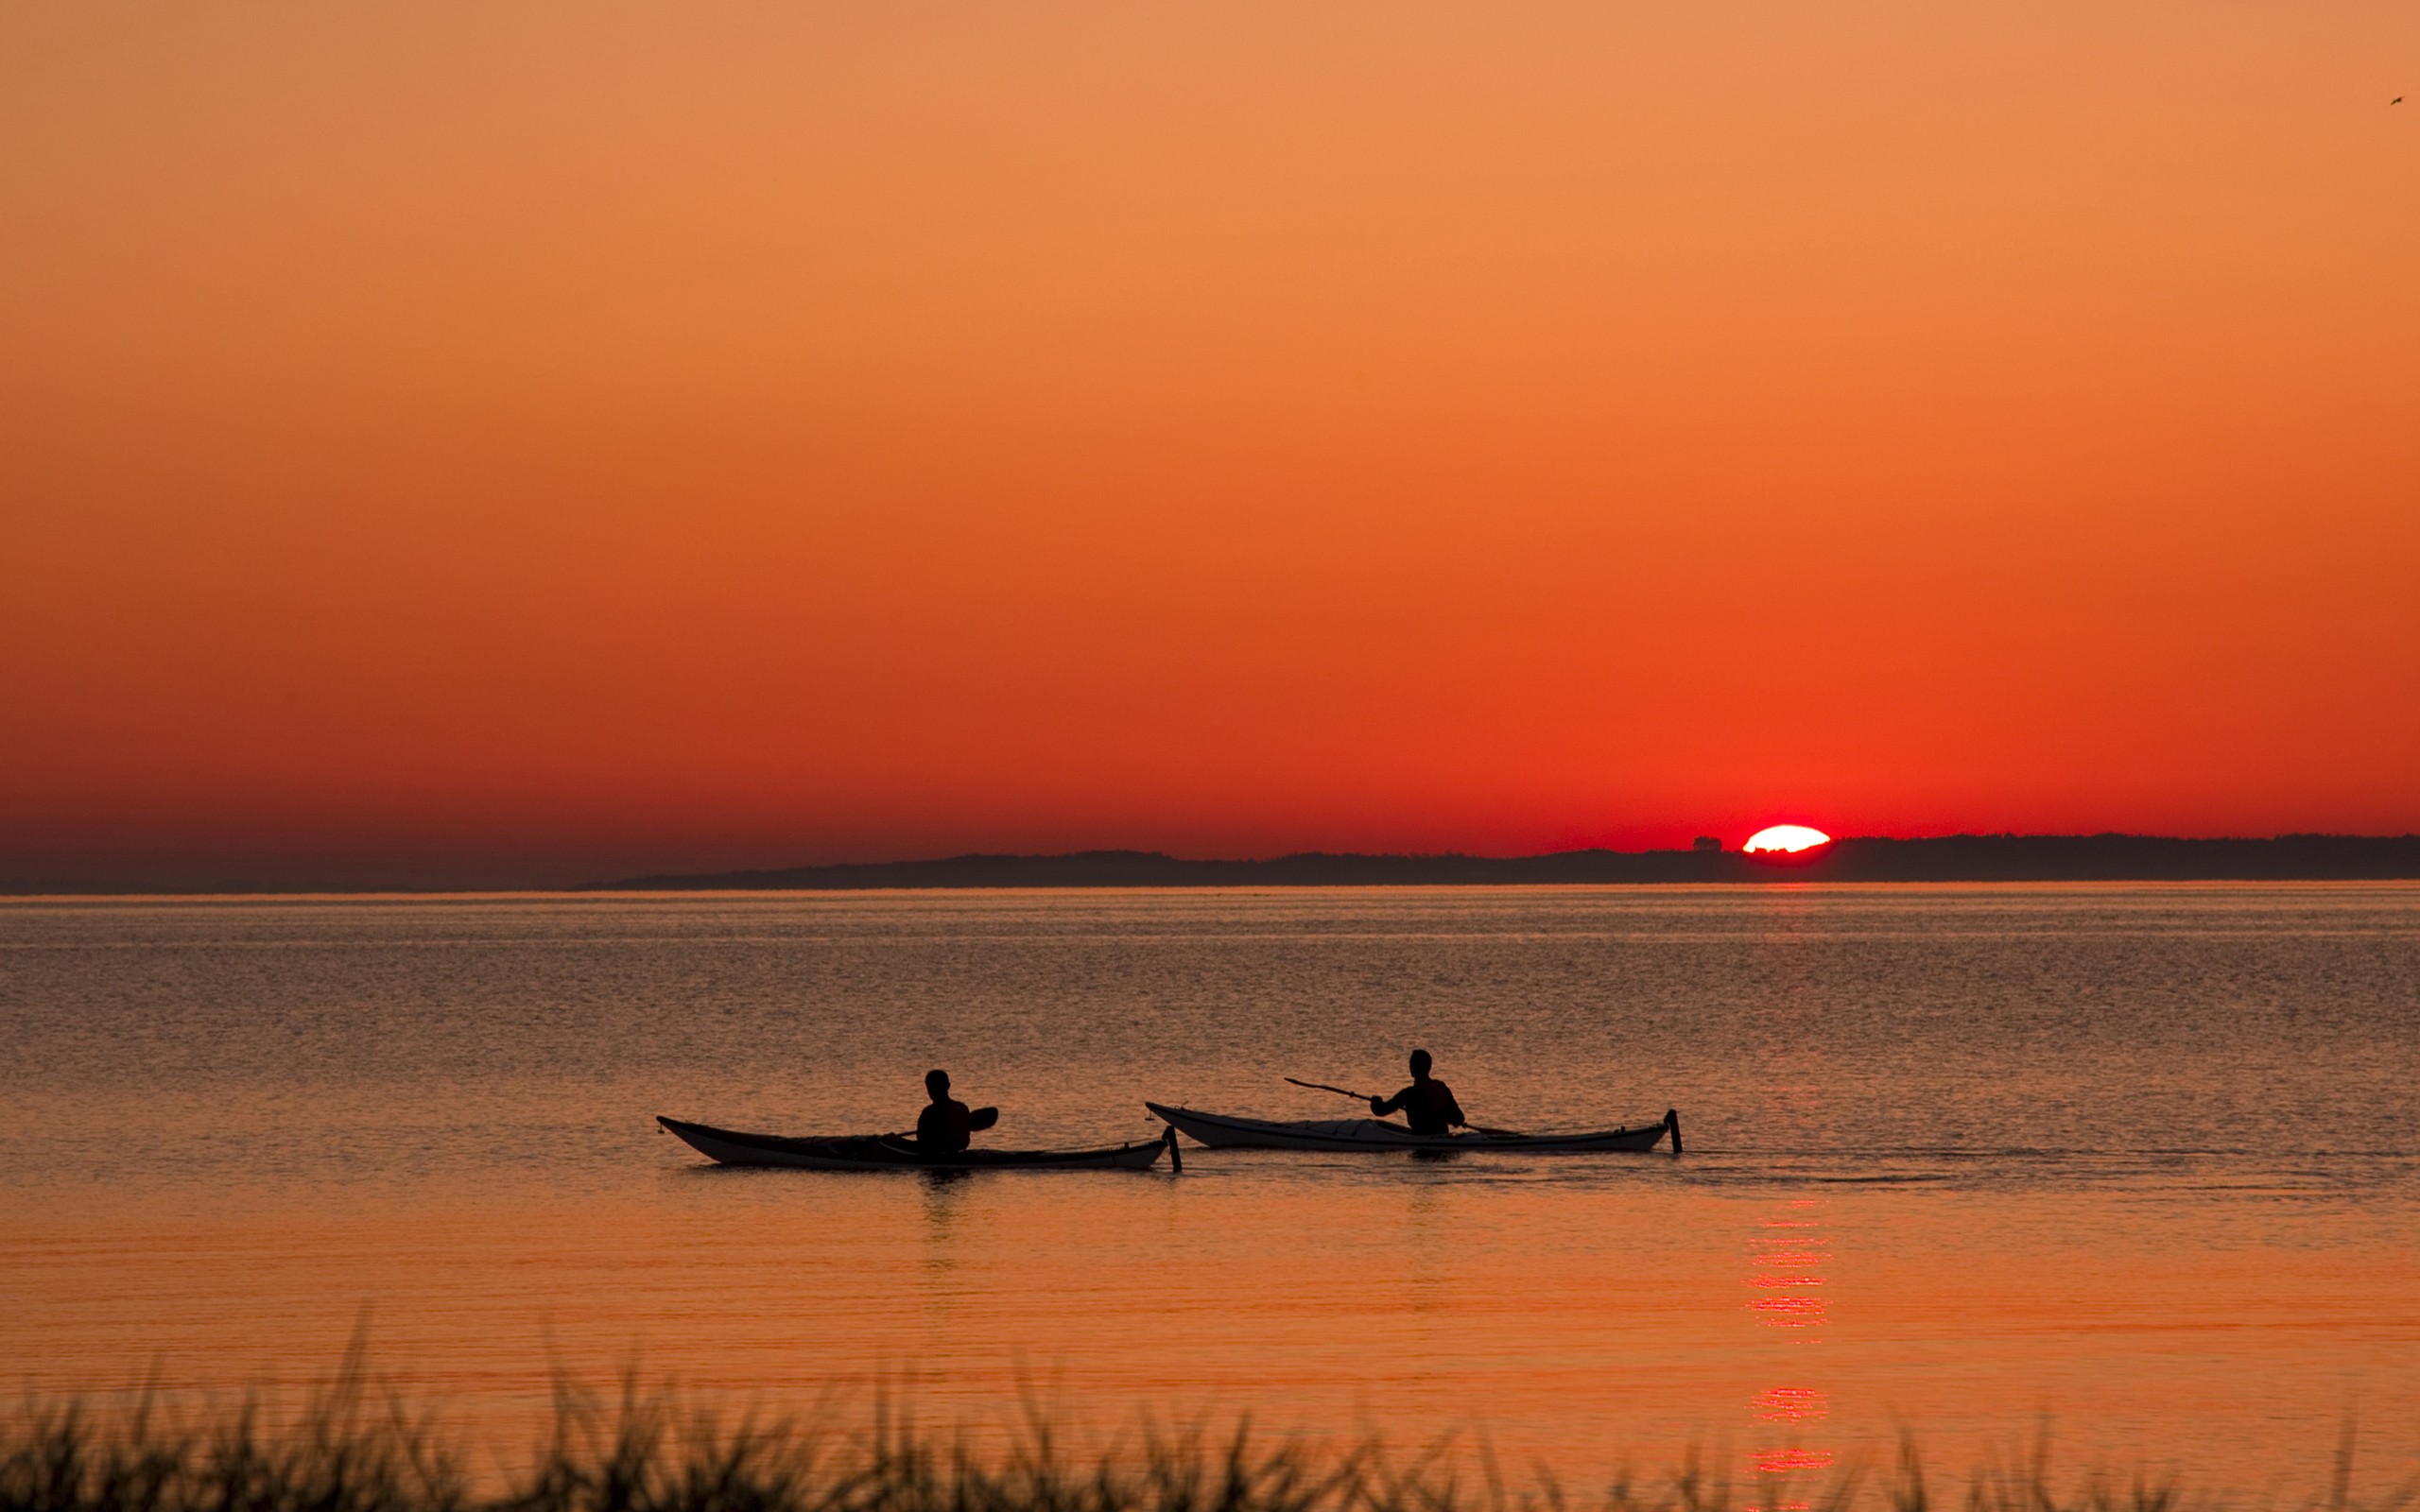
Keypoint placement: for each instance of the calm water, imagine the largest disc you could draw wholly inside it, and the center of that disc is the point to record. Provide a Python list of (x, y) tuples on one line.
[(2146, 1160)]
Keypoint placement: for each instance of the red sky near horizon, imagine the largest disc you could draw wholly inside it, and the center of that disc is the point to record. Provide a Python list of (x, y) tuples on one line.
[(491, 444)]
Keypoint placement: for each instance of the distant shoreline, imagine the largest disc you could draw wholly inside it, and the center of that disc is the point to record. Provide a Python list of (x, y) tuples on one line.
[(1948, 858), (1957, 858)]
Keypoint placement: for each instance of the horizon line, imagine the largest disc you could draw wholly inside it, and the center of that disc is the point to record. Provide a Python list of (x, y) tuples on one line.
[(1744, 868)]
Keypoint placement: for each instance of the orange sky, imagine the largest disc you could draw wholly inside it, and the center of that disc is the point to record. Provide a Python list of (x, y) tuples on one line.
[(488, 443)]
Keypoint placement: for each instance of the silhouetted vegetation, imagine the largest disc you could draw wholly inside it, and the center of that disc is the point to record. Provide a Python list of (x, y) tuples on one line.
[(349, 1452)]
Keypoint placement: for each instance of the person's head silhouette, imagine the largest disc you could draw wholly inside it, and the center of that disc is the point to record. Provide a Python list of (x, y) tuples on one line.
[(1420, 1064), (937, 1086)]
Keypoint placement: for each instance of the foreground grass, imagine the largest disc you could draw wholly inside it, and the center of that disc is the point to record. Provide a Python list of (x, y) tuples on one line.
[(350, 1452)]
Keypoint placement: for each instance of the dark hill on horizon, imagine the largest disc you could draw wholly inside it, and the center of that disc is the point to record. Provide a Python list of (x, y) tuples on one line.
[(1945, 858)]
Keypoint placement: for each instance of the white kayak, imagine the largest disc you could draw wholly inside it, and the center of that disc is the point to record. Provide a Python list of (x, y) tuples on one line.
[(1219, 1131)]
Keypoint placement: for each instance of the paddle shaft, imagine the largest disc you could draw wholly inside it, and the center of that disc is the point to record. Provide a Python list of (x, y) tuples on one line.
[(1359, 1097), (1323, 1086)]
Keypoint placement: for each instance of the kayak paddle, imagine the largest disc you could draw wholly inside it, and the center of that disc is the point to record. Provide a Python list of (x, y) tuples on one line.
[(1323, 1086)]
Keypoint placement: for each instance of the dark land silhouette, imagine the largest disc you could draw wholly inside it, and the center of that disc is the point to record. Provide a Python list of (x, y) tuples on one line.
[(1945, 858)]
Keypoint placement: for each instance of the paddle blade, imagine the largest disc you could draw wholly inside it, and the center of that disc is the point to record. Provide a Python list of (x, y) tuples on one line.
[(982, 1118)]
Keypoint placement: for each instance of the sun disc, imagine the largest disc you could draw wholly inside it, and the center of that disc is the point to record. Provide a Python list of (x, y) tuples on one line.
[(1785, 838)]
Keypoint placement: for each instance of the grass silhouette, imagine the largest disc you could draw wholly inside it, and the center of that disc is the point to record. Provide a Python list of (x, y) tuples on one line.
[(354, 1449)]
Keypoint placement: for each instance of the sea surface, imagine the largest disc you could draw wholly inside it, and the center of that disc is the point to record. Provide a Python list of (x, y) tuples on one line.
[(2134, 1168)]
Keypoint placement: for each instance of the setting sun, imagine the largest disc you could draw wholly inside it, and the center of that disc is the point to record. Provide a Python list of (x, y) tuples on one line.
[(1785, 839)]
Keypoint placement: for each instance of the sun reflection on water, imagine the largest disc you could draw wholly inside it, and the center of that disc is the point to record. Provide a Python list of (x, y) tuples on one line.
[(1792, 1404), (1784, 1267)]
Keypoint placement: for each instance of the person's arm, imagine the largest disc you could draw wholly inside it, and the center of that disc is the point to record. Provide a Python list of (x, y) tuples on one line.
[(1454, 1112), (1383, 1106)]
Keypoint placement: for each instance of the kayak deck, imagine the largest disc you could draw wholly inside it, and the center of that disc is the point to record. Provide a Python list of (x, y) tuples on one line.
[(894, 1152), (1219, 1131)]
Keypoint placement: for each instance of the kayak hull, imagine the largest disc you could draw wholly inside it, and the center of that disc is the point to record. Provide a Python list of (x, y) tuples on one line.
[(892, 1152), (1218, 1131)]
